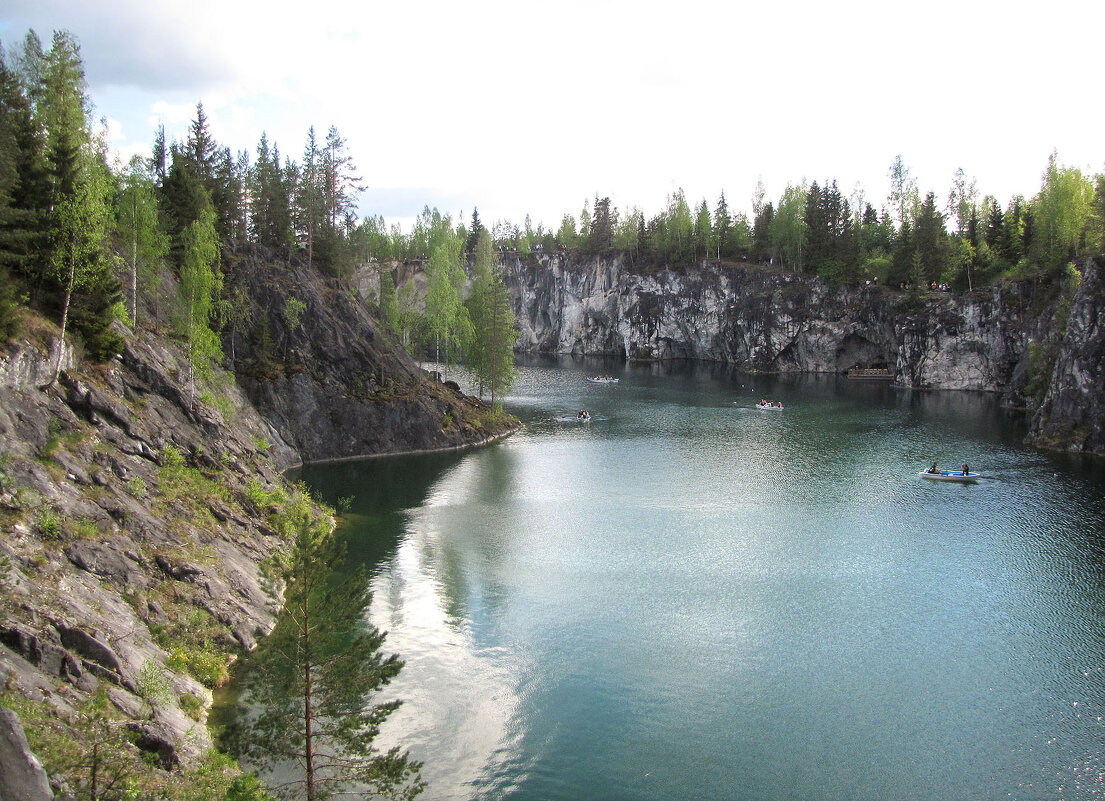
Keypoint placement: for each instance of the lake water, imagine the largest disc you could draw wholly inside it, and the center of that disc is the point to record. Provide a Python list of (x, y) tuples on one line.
[(689, 598)]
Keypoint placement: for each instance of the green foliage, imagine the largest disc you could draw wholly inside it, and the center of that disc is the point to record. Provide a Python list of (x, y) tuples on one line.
[(389, 302), (491, 353), (1041, 364), (832, 272), (1071, 281), (138, 487), (188, 640), (186, 490), (171, 458), (446, 319), (48, 524), (220, 401), (311, 681), (94, 752), (293, 312), (788, 229), (92, 749), (200, 285), (261, 498), (1061, 211), (192, 705), (9, 306), (138, 231), (53, 439), (152, 685)]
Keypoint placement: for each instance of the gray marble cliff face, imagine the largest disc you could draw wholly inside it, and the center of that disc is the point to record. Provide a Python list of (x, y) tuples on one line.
[(760, 319)]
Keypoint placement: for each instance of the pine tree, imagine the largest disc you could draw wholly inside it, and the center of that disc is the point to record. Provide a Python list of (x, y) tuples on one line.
[(24, 184), (314, 677), (603, 222), (704, 239), (930, 240), (309, 200), (761, 233)]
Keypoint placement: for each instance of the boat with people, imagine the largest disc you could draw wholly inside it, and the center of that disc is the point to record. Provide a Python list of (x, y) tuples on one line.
[(583, 416), (770, 406), (962, 476), (602, 379)]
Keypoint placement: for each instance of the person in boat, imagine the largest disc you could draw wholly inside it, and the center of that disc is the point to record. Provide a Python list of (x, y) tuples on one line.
[(966, 470), (934, 469)]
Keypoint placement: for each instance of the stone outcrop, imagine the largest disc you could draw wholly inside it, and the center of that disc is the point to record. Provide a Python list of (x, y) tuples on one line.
[(1072, 413), (761, 319), (21, 775), (90, 545), (334, 384)]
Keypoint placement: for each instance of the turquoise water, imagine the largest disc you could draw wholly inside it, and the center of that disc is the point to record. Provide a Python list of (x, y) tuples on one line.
[(692, 598)]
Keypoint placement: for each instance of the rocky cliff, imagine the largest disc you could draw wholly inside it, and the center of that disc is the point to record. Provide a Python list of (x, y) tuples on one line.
[(766, 320), (329, 380), (139, 509), (1072, 415)]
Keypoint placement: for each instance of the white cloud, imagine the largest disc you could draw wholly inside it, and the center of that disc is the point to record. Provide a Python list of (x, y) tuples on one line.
[(530, 107)]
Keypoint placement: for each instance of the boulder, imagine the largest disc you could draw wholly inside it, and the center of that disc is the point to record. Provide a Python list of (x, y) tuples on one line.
[(21, 775)]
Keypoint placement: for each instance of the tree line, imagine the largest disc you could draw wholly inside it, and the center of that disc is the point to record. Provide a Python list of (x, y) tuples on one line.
[(963, 240)]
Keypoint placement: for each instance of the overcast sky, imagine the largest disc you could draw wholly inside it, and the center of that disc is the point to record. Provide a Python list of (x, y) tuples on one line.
[(532, 107)]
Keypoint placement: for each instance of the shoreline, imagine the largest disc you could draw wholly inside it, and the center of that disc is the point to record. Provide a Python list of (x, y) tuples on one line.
[(489, 440)]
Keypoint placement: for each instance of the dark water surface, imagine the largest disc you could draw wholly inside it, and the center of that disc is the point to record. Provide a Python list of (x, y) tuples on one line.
[(695, 599)]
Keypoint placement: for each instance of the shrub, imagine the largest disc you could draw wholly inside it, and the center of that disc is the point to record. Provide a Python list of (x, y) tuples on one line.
[(48, 524), (152, 685)]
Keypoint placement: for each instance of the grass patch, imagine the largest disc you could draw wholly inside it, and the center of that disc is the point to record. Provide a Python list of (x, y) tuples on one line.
[(190, 638), (180, 483), (192, 705)]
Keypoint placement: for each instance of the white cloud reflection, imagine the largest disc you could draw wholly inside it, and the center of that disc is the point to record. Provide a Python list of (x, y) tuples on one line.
[(460, 700)]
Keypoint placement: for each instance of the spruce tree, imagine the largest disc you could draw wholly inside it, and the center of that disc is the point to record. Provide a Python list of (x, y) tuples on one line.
[(723, 222), (491, 354)]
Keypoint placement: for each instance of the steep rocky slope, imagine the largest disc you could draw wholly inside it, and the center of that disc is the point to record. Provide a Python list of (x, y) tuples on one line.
[(1072, 415), (132, 536), (332, 383)]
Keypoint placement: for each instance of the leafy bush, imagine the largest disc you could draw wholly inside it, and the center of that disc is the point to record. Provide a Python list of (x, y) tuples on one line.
[(171, 457), (152, 685), (48, 525)]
